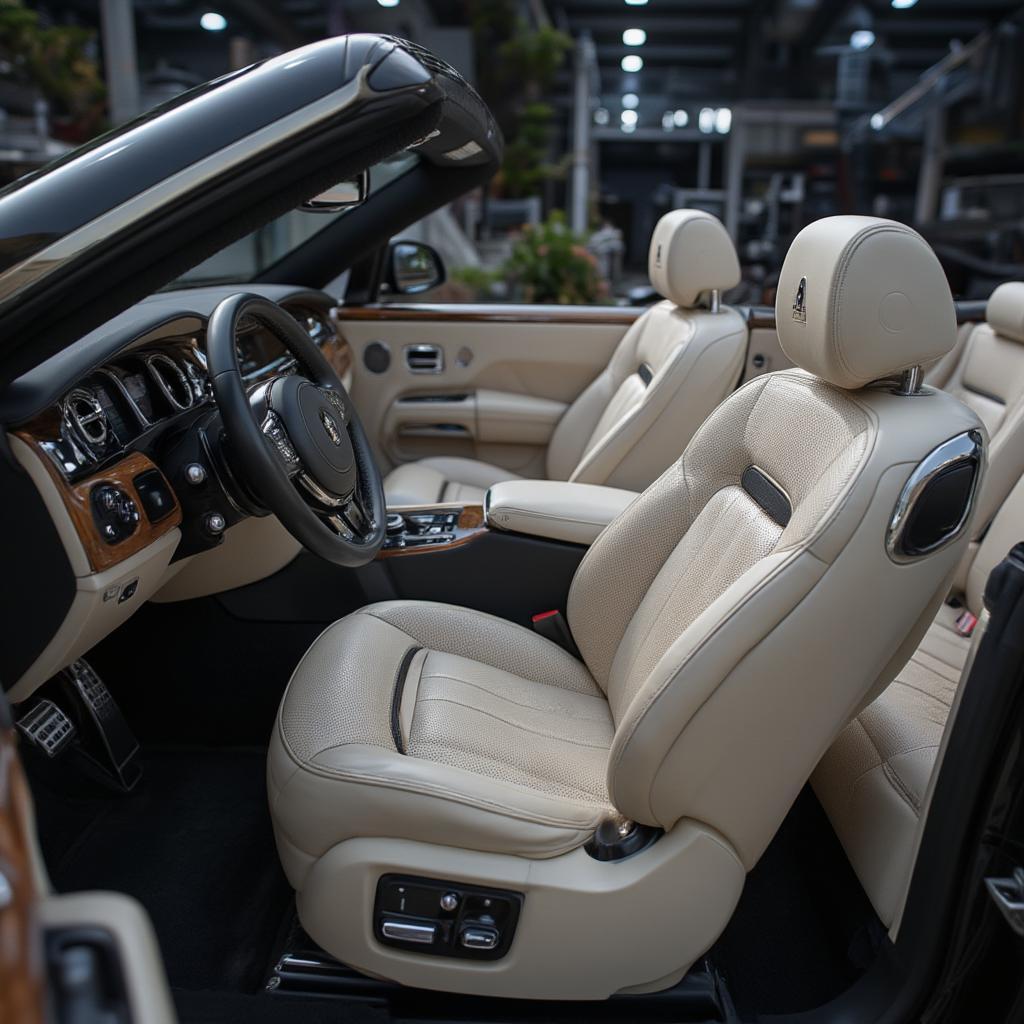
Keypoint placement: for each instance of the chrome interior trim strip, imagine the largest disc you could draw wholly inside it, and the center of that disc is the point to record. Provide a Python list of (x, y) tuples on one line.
[(965, 447)]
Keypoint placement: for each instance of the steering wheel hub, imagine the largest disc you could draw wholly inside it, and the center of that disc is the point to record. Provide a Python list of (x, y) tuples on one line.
[(315, 419)]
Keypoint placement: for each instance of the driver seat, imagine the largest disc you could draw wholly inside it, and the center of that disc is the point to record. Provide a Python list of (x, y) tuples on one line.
[(437, 775)]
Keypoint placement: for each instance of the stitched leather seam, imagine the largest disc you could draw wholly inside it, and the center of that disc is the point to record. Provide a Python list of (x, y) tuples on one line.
[(386, 782), (568, 792), (520, 704), (513, 725), (897, 783)]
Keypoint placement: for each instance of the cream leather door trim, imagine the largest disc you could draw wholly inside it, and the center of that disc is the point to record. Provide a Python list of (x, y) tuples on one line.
[(552, 361)]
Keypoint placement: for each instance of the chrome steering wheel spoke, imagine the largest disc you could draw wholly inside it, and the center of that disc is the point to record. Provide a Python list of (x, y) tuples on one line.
[(280, 444)]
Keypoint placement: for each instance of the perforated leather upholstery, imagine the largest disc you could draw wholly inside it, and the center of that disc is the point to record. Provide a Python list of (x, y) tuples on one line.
[(874, 779), (726, 639), (672, 367)]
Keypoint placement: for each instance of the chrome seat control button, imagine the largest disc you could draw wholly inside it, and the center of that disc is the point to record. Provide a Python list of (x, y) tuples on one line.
[(406, 931), (449, 901), (479, 938)]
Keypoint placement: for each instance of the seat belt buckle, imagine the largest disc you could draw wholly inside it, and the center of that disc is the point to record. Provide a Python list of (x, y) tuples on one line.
[(552, 625), (965, 623)]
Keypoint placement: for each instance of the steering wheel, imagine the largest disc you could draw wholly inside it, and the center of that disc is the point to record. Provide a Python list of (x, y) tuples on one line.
[(297, 439)]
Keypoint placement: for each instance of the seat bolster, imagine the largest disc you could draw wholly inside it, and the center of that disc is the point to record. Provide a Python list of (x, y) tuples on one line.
[(442, 478), (356, 790)]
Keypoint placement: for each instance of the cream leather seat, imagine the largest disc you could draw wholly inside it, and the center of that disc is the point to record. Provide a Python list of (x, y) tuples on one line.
[(988, 376), (875, 780), (672, 367), (730, 621)]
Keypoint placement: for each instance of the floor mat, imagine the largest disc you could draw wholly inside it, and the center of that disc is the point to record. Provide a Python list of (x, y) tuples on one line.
[(194, 845), (804, 930)]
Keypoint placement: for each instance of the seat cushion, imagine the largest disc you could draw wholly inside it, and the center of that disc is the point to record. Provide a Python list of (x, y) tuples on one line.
[(431, 722), (442, 479), (874, 778)]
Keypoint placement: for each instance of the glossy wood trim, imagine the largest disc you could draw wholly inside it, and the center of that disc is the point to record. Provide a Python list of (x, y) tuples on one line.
[(22, 991), (338, 353), (76, 498), (471, 525), (427, 313)]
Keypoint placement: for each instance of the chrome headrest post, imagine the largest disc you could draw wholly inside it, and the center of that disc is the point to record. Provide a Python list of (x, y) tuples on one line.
[(716, 300), (910, 382)]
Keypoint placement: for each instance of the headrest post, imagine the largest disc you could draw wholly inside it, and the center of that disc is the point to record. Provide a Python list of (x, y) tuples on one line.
[(716, 300), (910, 382)]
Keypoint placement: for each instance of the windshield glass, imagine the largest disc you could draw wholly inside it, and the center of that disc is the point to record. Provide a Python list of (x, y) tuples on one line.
[(247, 258)]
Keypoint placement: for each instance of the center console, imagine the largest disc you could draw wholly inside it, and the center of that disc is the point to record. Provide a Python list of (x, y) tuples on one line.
[(432, 528)]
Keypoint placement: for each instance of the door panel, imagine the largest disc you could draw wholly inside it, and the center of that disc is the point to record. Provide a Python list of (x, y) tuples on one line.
[(503, 378)]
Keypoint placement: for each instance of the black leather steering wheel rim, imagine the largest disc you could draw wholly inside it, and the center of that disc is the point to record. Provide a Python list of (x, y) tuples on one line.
[(262, 467)]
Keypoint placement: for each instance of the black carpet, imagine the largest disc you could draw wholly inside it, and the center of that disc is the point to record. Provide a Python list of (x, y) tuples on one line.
[(804, 930), (193, 844)]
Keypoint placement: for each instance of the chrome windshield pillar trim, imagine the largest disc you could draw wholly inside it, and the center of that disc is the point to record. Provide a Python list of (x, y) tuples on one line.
[(964, 448)]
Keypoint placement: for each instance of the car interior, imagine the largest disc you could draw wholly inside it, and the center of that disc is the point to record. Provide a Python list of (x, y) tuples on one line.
[(400, 660)]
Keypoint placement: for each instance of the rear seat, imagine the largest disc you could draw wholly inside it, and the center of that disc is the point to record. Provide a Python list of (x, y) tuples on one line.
[(874, 780), (989, 377)]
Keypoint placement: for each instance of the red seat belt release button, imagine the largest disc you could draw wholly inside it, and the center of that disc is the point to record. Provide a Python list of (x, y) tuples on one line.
[(552, 625), (965, 623)]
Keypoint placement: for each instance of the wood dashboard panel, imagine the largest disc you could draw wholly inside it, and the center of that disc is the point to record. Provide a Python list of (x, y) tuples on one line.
[(76, 499), (525, 314)]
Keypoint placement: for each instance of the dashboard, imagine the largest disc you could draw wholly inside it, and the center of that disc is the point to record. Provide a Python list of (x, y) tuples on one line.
[(121, 436)]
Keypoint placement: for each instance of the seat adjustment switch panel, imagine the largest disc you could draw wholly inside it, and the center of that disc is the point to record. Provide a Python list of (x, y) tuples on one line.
[(428, 915)]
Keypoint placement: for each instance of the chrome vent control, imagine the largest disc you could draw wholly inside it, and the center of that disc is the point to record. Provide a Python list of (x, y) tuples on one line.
[(172, 381), (86, 419)]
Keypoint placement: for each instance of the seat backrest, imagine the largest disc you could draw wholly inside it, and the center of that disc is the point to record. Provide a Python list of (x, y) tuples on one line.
[(989, 377), (745, 605), (672, 367)]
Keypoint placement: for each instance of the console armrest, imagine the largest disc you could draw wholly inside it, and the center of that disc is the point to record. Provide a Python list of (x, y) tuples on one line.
[(576, 513)]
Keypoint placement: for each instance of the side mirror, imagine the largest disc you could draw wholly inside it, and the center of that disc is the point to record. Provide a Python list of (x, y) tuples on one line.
[(413, 267), (340, 196)]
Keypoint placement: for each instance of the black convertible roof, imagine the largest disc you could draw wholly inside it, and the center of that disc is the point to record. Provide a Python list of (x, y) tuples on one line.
[(85, 237)]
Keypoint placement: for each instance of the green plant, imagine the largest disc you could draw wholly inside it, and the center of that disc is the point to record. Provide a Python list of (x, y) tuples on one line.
[(516, 67), (54, 59), (551, 264)]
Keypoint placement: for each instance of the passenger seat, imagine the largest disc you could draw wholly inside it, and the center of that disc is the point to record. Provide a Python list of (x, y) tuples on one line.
[(676, 363), (874, 780)]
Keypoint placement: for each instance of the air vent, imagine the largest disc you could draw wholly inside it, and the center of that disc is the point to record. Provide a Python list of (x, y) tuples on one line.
[(86, 418), (171, 379), (424, 358)]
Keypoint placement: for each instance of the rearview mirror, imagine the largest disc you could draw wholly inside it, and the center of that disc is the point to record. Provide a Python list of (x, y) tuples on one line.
[(340, 196), (414, 267)]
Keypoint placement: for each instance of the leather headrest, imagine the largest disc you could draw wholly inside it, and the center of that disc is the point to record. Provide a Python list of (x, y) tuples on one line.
[(691, 253), (1005, 310), (861, 298)]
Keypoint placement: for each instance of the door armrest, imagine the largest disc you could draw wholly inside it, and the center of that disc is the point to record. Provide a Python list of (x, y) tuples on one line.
[(576, 513)]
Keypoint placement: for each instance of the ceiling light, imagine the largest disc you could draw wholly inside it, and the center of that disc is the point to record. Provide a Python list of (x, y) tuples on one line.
[(636, 3), (629, 117), (388, 3), (632, 62), (601, 116), (706, 120), (667, 121), (903, 5), (213, 22), (629, 128), (631, 101), (862, 39), (877, 122), (634, 37), (680, 118), (723, 120)]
